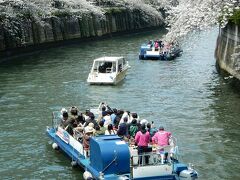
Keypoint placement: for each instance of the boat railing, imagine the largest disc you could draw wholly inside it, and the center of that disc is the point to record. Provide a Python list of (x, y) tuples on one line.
[(151, 159), (56, 119)]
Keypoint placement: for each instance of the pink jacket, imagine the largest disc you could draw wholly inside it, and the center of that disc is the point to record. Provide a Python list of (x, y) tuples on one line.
[(161, 138), (142, 139)]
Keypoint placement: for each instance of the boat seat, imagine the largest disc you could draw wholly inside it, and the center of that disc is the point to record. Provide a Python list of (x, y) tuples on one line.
[(108, 70), (134, 155)]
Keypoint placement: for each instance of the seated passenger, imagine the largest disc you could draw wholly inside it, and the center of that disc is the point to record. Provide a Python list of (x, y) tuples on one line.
[(80, 120), (101, 69), (107, 119), (102, 129), (90, 126), (73, 112), (91, 119), (152, 130), (78, 133), (69, 125), (64, 119), (110, 130)]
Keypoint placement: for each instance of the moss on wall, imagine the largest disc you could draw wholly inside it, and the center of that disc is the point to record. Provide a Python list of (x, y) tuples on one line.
[(64, 27), (227, 43)]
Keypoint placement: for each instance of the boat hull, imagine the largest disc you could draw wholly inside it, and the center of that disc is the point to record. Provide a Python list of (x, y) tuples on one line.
[(114, 157), (71, 148), (152, 54), (106, 79)]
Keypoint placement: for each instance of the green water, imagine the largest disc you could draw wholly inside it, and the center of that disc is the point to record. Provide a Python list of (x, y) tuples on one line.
[(186, 95)]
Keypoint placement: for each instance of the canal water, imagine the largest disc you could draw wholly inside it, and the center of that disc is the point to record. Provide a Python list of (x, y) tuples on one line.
[(187, 96)]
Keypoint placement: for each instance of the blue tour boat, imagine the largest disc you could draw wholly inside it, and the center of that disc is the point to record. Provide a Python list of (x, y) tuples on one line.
[(167, 52), (112, 158)]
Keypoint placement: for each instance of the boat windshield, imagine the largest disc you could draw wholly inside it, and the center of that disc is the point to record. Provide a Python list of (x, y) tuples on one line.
[(104, 67)]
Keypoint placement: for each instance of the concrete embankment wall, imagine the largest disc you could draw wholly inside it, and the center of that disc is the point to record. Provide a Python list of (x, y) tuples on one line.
[(227, 42), (69, 28)]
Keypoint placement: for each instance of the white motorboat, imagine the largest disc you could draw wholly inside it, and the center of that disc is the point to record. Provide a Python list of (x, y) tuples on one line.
[(108, 70)]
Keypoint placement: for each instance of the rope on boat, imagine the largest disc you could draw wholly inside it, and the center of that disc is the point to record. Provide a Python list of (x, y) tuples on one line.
[(109, 164)]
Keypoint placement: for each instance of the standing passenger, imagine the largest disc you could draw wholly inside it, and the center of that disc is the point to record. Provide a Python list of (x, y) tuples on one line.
[(133, 128), (142, 139), (123, 128), (86, 139)]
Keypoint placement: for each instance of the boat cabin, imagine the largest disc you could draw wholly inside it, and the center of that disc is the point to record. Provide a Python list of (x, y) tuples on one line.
[(108, 70), (108, 64)]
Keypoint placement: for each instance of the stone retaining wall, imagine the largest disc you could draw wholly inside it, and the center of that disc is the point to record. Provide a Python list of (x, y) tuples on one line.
[(67, 28), (227, 42)]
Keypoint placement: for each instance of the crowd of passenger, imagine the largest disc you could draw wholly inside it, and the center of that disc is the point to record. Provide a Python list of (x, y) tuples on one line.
[(159, 44), (125, 124)]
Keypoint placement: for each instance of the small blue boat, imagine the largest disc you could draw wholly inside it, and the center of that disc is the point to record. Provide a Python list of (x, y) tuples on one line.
[(149, 52), (112, 158)]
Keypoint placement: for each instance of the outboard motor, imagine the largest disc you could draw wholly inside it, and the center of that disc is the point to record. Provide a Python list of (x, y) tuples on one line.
[(188, 174), (184, 172)]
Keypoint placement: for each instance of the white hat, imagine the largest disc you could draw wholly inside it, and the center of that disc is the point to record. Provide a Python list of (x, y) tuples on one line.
[(63, 110), (144, 121), (91, 125), (89, 129)]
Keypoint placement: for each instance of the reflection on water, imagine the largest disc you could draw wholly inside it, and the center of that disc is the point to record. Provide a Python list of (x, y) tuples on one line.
[(186, 95)]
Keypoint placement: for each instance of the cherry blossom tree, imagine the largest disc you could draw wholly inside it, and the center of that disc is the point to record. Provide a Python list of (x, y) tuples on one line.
[(182, 16), (148, 11), (190, 15), (13, 13)]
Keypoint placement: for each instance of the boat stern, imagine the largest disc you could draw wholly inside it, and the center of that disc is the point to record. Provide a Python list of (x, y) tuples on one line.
[(101, 78)]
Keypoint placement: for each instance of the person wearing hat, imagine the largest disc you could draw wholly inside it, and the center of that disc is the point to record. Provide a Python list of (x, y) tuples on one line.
[(90, 127), (161, 137), (89, 131), (73, 112)]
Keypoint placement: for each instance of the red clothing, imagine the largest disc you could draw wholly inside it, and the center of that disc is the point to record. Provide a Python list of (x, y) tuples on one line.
[(161, 138), (142, 139)]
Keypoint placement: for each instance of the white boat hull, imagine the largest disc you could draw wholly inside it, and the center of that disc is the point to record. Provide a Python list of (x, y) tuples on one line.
[(152, 171), (106, 78)]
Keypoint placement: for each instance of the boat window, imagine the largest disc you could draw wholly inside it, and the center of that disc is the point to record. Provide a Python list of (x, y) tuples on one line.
[(114, 67), (95, 67), (119, 67), (105, 67), (124, 61)]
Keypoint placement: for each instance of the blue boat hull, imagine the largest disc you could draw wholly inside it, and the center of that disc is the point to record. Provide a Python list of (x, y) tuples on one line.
[(143, 55), (101, 154)]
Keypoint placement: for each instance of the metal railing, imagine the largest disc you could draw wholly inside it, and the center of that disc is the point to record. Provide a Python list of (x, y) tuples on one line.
[(151, 159)]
